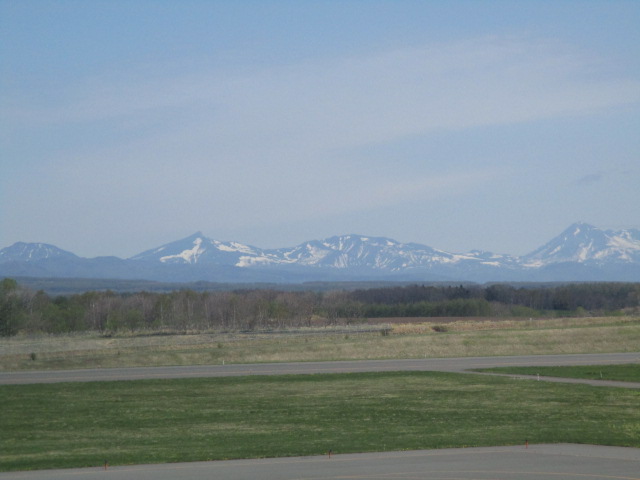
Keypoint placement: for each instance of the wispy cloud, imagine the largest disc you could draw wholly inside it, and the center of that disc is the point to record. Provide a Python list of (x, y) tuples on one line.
[(591, 178), (612, 174), (269, 145), (379, 97), (286, 114)]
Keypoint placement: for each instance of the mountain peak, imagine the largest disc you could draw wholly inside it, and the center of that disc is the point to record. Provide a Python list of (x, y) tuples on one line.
[(581, 228), (192, 238), (198, 248), (33, 252), (584, 243)]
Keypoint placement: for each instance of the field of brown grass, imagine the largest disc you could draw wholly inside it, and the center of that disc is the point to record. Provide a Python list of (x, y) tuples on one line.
[(382, 339)]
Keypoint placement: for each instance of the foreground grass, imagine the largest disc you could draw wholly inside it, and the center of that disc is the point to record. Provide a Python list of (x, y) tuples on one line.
[(416, 340), (157, 421), (623, 373)]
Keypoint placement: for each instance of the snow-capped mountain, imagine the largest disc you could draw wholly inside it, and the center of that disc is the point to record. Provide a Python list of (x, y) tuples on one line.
[(582, 252), (198, 249), (357, 251), (377, 253), (346, 252), (586, 244)]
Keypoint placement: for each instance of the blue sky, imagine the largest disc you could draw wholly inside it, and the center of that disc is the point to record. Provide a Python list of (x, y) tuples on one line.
[(456, 124)]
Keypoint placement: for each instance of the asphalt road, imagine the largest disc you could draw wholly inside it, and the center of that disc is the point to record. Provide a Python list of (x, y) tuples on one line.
[(495, 463), (427, 364)]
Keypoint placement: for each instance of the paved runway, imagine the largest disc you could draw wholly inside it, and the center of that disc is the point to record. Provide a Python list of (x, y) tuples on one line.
[(428, 364), (495, 463)]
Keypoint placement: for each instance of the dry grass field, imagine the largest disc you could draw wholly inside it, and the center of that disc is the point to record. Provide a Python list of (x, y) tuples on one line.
[(386, 339)]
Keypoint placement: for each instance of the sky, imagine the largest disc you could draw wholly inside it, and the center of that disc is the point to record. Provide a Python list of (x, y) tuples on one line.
[(461, 125)]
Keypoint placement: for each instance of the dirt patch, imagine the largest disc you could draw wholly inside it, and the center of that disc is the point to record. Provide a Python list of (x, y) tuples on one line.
[(436, 320)]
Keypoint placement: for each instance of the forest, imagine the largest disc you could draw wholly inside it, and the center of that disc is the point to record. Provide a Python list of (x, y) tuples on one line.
[(25, 311)]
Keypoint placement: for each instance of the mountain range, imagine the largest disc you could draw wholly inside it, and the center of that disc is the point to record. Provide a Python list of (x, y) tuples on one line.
[(581, 253)]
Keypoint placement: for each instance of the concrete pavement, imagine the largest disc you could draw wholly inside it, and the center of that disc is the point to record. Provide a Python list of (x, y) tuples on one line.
[(565, 461), (428, 364)]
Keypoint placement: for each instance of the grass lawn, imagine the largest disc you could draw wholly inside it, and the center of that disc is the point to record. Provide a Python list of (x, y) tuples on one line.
[(624, 373), (156, 421)]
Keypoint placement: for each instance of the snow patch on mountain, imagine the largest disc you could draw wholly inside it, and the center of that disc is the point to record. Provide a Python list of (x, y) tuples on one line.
[(189, 255)]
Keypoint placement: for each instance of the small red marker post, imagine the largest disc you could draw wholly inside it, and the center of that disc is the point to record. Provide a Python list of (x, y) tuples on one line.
[(526, 444)]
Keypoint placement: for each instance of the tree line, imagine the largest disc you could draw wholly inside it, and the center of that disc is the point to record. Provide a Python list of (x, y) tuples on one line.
[(27, 311)]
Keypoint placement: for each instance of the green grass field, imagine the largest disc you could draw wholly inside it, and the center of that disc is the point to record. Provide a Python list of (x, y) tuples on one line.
[(156, 421), (623, 373)]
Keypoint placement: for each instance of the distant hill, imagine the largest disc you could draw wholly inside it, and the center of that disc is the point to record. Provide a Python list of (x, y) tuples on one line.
[(581, 253)]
